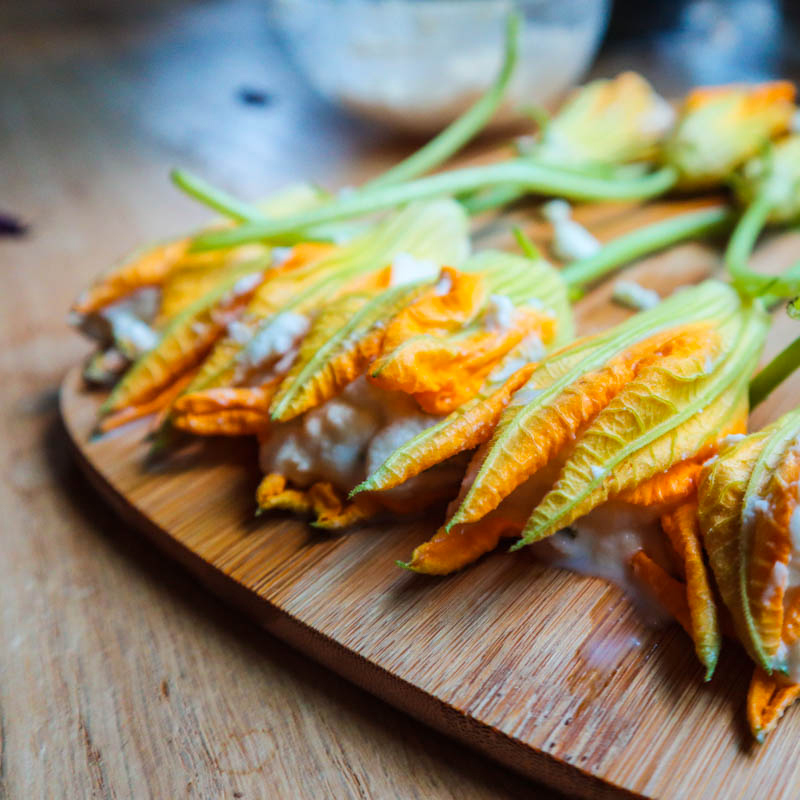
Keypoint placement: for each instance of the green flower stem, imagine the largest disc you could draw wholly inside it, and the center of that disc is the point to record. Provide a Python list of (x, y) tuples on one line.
[(535, 178), (215, 198), (742, 242), (498, 196), (780, 368), (644, 241), (459, 132)]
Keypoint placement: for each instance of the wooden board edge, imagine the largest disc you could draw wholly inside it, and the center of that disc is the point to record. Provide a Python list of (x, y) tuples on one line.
[(506, 750)]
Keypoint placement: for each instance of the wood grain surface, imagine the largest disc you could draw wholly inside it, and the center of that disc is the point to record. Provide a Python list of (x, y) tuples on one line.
[(120, 676), (550, 673)]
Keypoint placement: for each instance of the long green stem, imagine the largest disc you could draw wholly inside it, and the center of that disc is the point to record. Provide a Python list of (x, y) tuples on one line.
[(783, 365), (742, 242), (647, 240), (496, 197), (459, 132), (215, 198), (535, 178)]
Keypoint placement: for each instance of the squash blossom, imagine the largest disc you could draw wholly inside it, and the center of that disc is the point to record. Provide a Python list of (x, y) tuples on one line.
[(626, 416), (719, 128), (233, 390), (128, 309), (449, 350), (606, 122), (750, 524), (376, 368), (603, 125)]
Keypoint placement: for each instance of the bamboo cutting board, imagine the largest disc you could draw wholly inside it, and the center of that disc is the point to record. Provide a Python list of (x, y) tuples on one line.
[(551, 673)]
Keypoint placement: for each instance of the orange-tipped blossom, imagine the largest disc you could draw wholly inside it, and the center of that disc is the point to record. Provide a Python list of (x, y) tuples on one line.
[(719, 128), (147, 408), (435, 230), (620, 409), (187, 339), (747, 503), (767, 699), (682, 528), (148, 267), (321, 500), (235, 411), (444, 373)]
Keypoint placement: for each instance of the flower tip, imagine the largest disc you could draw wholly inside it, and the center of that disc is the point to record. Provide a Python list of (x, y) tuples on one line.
[(362, 487), (407, 565)]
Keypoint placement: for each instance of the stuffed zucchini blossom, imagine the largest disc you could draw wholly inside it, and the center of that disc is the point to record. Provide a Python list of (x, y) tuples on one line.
[(621, 420), (750, 524)]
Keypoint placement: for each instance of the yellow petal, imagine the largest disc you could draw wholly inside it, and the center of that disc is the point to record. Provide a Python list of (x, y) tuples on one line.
[(147, 267), (721, 127)]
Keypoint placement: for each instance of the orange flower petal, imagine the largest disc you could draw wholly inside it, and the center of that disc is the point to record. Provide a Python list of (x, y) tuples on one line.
[(683, 530), (771, 549), (671, 594), (157, 403), (767, 700), (322, 500), (449, 552), (144, 268), (443, 372), (226, 422), (465, 429)]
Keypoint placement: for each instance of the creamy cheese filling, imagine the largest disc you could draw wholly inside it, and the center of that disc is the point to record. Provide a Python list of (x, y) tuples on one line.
[(341, 440), (599, 544), (571, 241)]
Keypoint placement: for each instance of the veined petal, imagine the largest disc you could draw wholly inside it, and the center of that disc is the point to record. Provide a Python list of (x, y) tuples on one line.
[(195, 274), (343, 340), (568, 389), (683, 530), (187, 338), (435, 230), (224, 422), (462, 430), (673, 409), (747, 497), (767, 700), (444, 372), (322, 500)]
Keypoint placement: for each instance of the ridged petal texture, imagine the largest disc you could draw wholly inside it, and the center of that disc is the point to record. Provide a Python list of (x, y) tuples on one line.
[(434, 231), (187, 338), (344, 339), (747, 498), (629, 404)]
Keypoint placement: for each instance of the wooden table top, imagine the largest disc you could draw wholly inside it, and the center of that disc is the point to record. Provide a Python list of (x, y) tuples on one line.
[(119, 677)]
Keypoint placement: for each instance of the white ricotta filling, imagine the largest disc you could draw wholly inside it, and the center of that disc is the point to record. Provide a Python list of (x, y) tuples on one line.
[(409, 269), (499, 314), (528, 351), (571, 241), (632, 295), (345, 438), (278, 337), (130, 332)]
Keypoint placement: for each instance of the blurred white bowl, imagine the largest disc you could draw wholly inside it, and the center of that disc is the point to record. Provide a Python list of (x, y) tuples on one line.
[(416, 64)]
